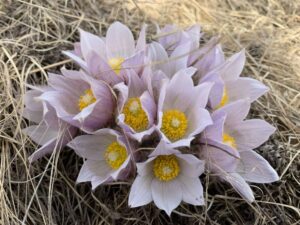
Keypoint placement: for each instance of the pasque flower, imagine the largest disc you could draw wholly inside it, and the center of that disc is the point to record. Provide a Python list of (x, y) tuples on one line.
[(229, 86), (108, 58), (167, 178), (181, 109), (136, 106), (227, 148), (107, 156), (50, 132), (80, 100)]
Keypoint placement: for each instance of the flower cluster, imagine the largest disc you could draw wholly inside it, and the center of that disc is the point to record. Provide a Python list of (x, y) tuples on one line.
[(160, 113)]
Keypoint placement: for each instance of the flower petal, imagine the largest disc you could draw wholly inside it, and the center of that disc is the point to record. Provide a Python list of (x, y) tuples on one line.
[(192, 190), (254, 168), (141, 41), (250, 134), (140, 192), (166, 195), (90, 42), (198, 120), (76, 59), (245, 88), (240, 185), (119, 41), (190, 166)]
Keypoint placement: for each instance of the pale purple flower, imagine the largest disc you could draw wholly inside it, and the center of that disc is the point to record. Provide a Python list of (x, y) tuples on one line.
[(51, 133), (171, 36), (181, 109), (227, 148), (108, 58), (107, 157), (80, 100), (229, 86), (167, 178), (136, 106)]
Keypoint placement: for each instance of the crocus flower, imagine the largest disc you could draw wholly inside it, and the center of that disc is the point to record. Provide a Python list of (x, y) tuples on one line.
[(167, 178), (136, 106), (107, 58), (171, 36), (228, 148), (229, 86), (181, 109), (107, 157), (51, 132), (80, 100)]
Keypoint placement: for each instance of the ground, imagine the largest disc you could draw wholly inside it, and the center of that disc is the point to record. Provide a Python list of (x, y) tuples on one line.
[(33, 34)]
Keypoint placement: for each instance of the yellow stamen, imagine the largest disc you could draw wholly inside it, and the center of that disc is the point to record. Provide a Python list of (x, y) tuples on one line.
[(115, 155), (224, 99), (135, 116), (86, 99), (116, 64), (174, 124), (229, 140), (166, 167)]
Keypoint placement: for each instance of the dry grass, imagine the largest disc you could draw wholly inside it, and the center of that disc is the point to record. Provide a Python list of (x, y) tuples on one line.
[(33, 33)]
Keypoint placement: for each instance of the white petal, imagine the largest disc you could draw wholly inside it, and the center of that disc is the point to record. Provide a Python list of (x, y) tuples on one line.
[(190, 165), (140, 192), (166, 195), (240, 185), (192, 190), (254, 168), (119, 41)]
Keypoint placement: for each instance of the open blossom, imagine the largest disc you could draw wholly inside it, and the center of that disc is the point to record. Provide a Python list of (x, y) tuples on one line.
[(80, 100), (50, 132), (229, 86), (167, 178), (136, 106), (107, 156), (108, 58), (181, 109), (228, 148)]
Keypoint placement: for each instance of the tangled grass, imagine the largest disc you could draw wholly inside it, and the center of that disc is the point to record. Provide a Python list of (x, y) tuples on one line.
[(34, 32)]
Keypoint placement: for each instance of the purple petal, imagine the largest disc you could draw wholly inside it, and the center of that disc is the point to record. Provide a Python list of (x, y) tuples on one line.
[(254, 168), (141, 41), (90, 42), (245, 88), (239, 184), (76, 59), (119, 41), (250, 134)]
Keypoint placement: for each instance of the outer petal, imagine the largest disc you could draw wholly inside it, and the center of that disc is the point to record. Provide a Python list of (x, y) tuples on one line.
[(166, 195), (239, 184), (93, 169), (141, 41), (92, 146), (235, 112), (245, 88), (217, 160), (76, 59), (41, 134), (119, 41), (198, 120), (250, 134), (90, 42), (233, 66), (190, 166), (163, 149), (254, 168), (46, 149), (140, 192), (192, 190)]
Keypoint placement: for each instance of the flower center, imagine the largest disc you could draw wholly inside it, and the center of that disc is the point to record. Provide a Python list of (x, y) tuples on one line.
[(229, 140), (135, 116), (166, 167), (174, 124), (115, 155), (86, 99), (224, 99), (116, 64)]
